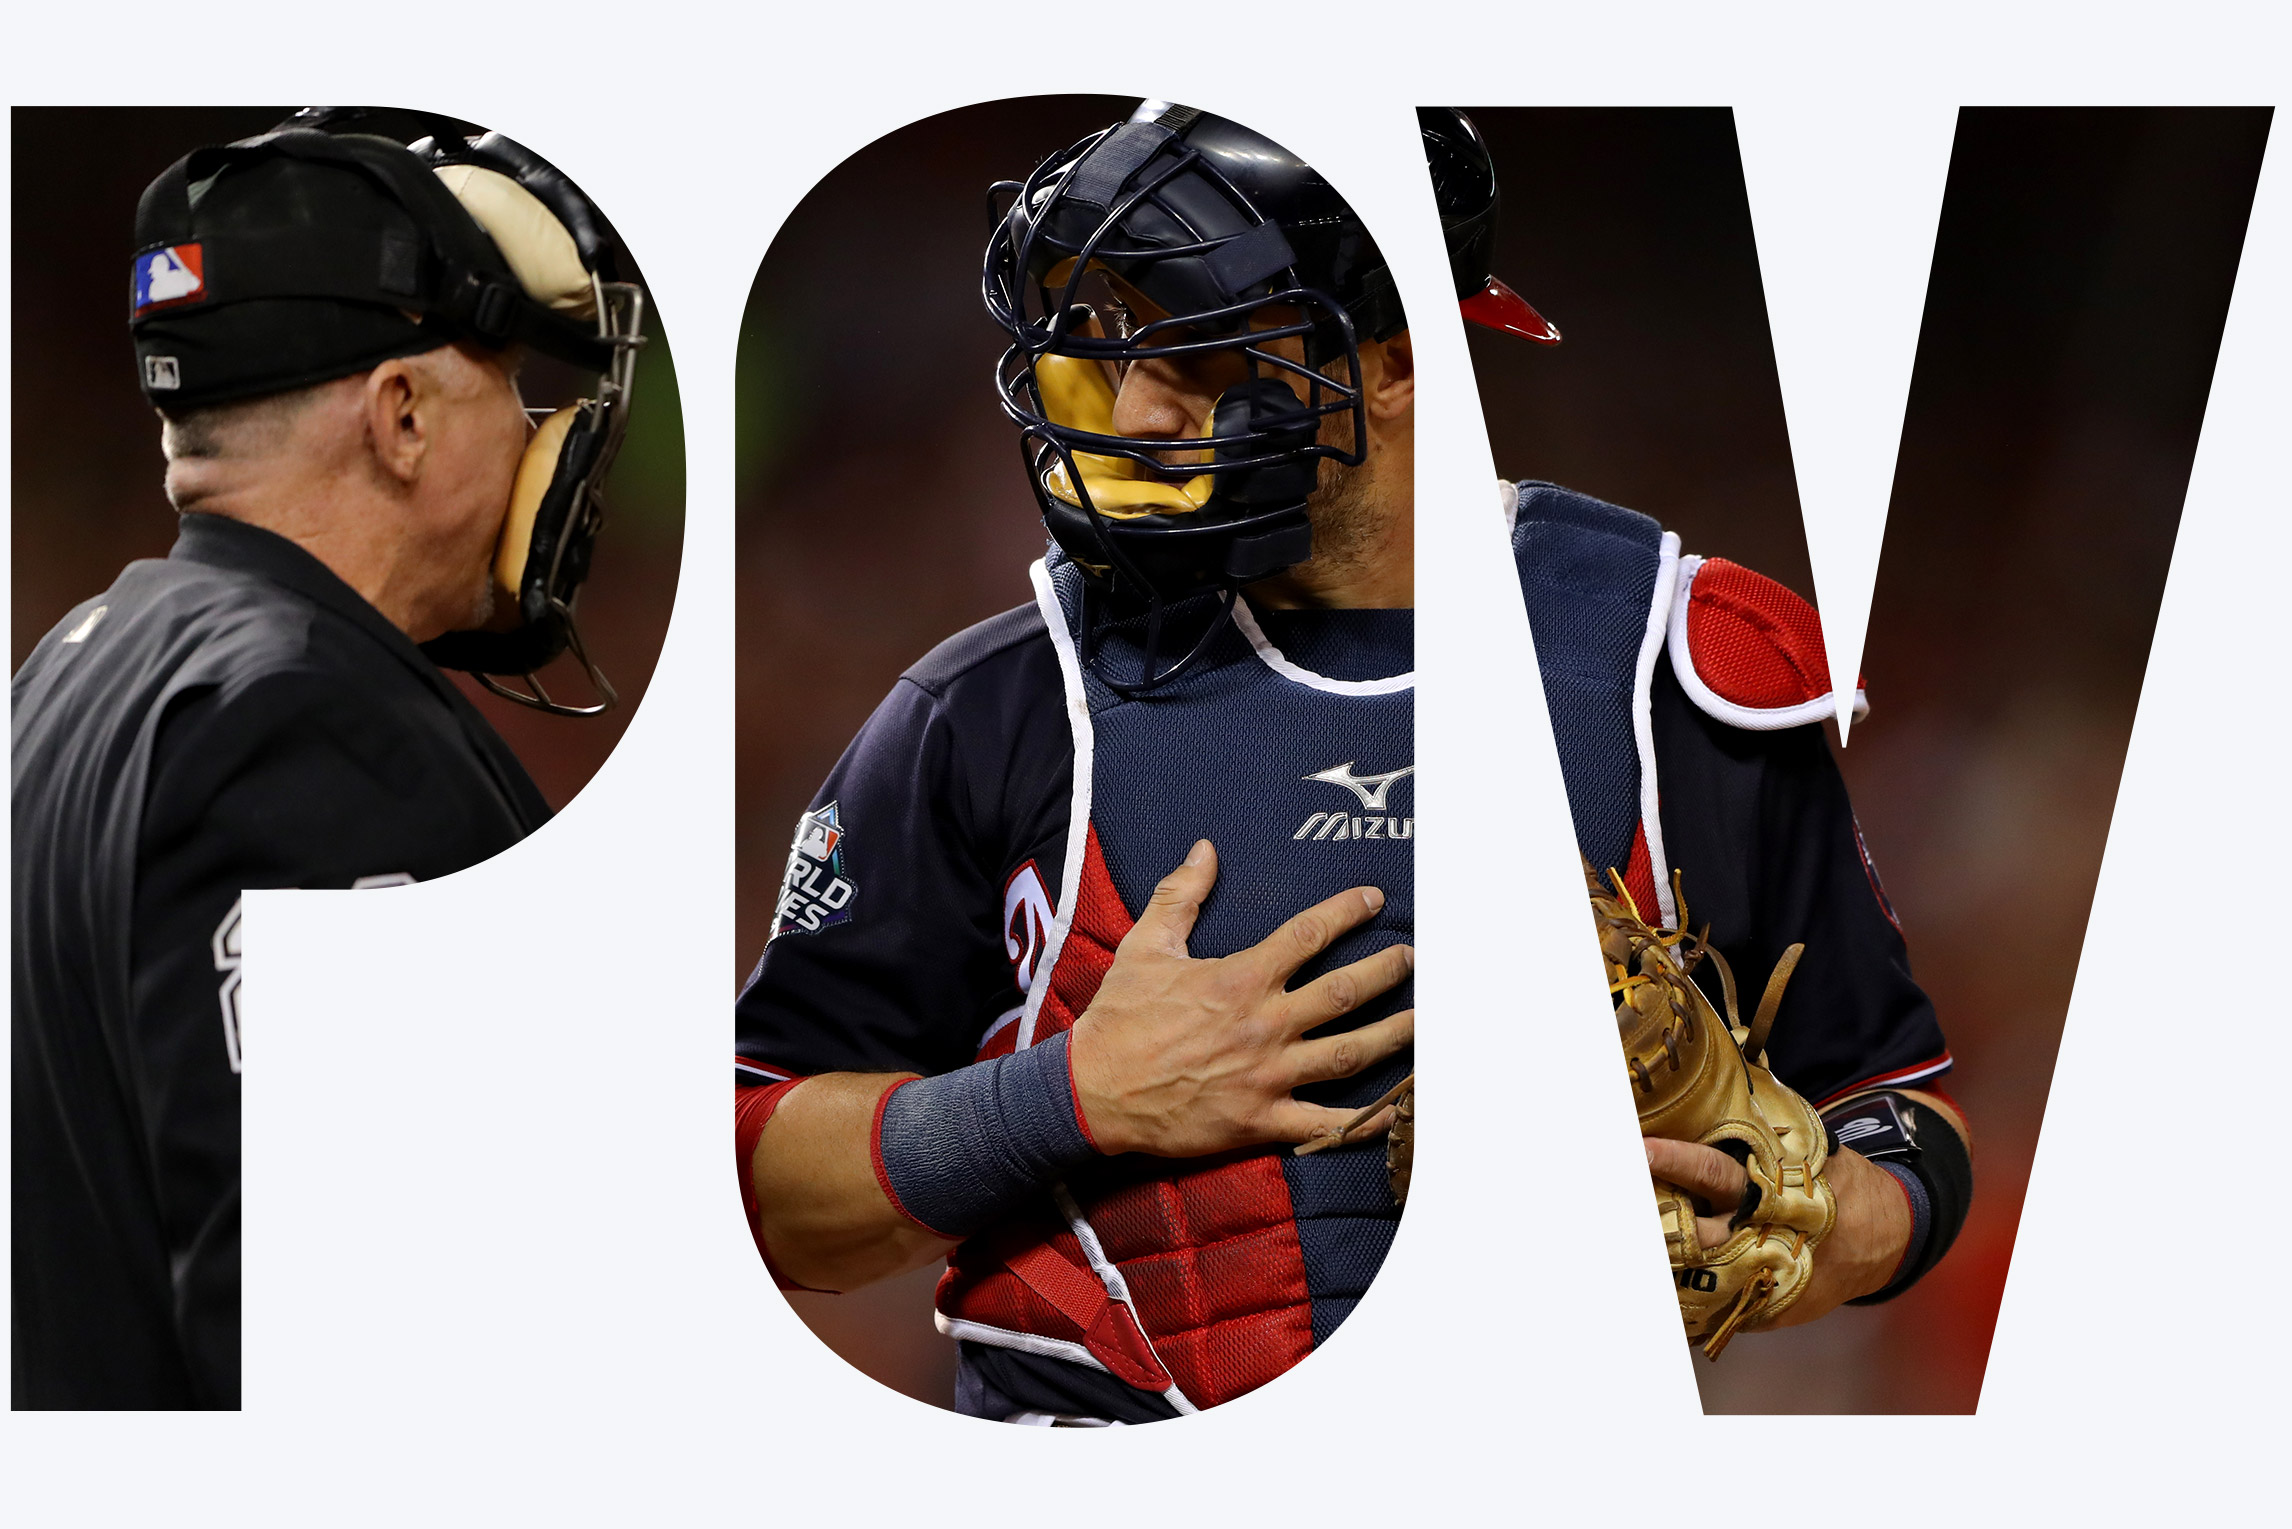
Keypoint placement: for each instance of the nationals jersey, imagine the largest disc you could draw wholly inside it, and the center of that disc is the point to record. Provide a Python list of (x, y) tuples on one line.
[(1687, 697), (988, 877)]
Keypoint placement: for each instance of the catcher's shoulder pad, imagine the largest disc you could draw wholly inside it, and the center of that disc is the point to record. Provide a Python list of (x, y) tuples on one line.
[(1748, 650)]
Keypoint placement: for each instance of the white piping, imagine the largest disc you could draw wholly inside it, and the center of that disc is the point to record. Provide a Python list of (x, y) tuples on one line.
[(1003, 1021), (1643, 724), (1054, 943), (1275, 660), (1891, 1080), (741, 1065), (1078, 821), (1117, 1287), (1006, 1337), (1756, 719)]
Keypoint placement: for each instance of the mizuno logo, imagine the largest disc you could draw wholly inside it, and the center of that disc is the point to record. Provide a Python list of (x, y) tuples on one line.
[(1373, 791), (1370, 789)]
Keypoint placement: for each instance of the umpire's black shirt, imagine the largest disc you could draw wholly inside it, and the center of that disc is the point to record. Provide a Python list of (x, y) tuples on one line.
[(234, 716)]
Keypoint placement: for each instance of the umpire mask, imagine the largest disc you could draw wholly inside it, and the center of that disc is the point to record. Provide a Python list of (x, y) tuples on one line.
[(303, 255)]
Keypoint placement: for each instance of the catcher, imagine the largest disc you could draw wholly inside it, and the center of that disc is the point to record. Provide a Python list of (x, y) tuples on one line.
[(1687, 696), (988, 1027)]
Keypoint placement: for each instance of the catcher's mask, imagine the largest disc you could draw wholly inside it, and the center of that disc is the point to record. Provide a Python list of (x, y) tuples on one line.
[(309, 253), (1241, 245)]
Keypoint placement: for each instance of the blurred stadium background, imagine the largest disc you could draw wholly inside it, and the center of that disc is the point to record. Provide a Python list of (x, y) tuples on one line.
[(2080, 283), (87, 470)]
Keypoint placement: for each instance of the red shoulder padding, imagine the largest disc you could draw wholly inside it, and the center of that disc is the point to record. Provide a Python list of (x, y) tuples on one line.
[(1754, 641), (1748, 650)]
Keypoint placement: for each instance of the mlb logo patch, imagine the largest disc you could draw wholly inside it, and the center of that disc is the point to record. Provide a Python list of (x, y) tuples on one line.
[(815, 893), (168, 277)]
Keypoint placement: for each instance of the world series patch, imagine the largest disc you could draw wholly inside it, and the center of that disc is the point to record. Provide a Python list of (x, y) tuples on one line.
[(814, 891)]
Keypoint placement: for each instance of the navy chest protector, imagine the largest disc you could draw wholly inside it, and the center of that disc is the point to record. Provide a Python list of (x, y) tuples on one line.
[(1597, 579), (1202, 1279)]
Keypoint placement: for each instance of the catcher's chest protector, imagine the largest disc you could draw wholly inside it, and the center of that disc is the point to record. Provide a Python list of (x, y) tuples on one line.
[(1204, 1278)]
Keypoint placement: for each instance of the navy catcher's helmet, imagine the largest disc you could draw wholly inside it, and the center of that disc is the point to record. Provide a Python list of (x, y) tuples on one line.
[(1240, 244)]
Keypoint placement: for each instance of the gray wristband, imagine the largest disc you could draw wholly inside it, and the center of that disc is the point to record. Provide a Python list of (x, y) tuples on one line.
[(958, 1152)]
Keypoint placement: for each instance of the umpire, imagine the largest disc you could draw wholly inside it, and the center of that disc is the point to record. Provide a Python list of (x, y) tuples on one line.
[(330, 326)]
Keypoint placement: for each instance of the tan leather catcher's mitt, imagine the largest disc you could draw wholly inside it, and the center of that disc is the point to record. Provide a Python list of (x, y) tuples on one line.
[(1400, 1136), (1401, 1142), (1698, 1078)]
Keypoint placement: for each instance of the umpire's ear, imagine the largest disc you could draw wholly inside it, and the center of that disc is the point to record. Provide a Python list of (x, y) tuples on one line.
[(398, 400)]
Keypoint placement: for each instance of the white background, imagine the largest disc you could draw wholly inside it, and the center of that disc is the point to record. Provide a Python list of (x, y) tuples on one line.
[(494, 1272)]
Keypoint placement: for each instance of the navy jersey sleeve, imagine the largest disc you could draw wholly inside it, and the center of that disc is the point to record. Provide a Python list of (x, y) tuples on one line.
[(893, 948), (1761, 829), (287, 781)]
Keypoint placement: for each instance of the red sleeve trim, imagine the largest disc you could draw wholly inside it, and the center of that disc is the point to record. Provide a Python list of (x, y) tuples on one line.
[(1931, 1067), (752, 1109), (875, 1157)]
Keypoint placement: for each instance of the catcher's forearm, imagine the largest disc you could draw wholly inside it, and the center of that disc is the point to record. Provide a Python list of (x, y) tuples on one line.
[(819, 1207)]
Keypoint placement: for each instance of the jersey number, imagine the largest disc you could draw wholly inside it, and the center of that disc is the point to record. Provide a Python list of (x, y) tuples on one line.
[(227, 951)]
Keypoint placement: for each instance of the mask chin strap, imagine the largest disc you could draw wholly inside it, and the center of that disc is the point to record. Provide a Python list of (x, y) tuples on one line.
[(537, 695), (1156, 610)]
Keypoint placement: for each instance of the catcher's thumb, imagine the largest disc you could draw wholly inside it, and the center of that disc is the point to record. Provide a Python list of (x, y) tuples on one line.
[(1177, 902)]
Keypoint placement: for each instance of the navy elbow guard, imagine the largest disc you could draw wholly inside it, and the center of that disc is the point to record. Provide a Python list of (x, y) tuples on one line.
[(958, 1152), (1927, 1157)]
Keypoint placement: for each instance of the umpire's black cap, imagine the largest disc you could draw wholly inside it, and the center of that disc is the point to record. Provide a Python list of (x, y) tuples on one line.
[(300, 256)]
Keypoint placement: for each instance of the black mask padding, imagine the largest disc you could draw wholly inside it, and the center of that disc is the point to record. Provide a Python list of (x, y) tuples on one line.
[(1268, 407), (1270, 499)]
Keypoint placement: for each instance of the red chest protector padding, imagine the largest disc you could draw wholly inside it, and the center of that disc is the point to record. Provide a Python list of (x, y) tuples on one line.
[(1748, 650), (1207, 1247)]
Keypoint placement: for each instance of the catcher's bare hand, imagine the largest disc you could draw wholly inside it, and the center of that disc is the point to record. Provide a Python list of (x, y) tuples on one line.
[(1179, 1057), (1857, 1258)]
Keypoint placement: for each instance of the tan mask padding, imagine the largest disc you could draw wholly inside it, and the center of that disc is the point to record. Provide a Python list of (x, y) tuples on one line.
[(1076, 394), (535, 471), (541, 254)]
